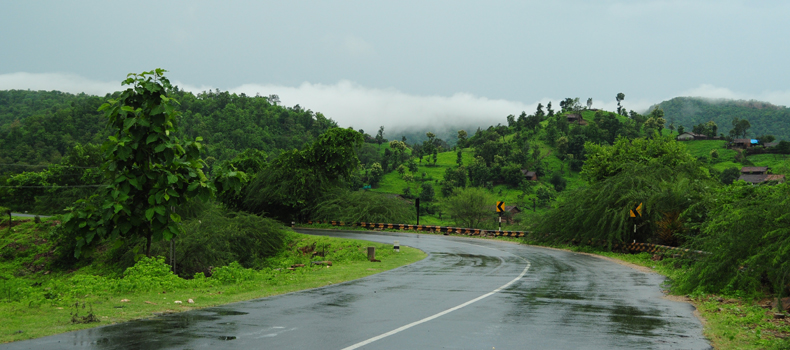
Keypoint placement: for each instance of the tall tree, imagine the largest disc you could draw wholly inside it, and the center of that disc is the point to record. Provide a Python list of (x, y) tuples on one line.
[(380, 135), (149, 170), (740, 127)]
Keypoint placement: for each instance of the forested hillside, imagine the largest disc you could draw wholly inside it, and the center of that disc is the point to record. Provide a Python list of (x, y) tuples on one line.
[(39, 127), (765, 118)]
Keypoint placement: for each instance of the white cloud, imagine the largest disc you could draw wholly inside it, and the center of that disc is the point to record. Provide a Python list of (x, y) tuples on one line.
[(56, 81), (354, 105)]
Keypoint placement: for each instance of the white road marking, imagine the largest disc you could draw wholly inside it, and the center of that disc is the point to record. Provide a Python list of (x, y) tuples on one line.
[(445, 312)]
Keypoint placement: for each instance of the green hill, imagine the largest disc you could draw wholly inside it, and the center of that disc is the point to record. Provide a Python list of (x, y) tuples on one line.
[(765, 118), (39, 127)]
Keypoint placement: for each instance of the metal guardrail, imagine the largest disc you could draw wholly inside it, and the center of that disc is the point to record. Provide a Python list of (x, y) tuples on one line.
[(632, 247), (429, 228)]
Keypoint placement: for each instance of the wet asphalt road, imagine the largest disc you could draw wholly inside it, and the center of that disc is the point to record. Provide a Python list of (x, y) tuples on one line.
[(466, 295)]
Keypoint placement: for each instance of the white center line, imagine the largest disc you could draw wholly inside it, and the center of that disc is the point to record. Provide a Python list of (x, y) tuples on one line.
[(445, 312)]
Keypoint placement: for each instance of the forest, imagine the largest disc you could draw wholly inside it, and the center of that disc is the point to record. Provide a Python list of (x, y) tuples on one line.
[(765, 118)]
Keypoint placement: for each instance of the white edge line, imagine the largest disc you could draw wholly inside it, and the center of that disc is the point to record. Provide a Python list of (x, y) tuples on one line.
[(403, 328)]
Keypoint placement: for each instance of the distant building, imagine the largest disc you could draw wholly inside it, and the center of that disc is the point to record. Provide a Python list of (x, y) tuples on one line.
[(690, 136), (759, 174), (576, 118), (529, 175), (744, 143), (507, 216)]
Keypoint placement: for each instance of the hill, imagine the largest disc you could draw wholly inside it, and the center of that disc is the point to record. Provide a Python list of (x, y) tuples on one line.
[(765, 118), (40, 127)]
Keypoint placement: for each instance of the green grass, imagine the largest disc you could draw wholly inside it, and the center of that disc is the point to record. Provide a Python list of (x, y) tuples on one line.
[(393, 183), (45, 309)]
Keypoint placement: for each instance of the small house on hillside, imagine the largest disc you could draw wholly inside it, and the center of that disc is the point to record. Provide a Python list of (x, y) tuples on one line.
[(759, 174), (507, 216), (771, 144), (576, 118), (744, 143), (529, 175), (754, 170), (690, 136)]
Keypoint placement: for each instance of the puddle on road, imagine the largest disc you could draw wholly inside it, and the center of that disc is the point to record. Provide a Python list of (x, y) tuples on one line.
[(450, 262), (169, 330), (636, 321)]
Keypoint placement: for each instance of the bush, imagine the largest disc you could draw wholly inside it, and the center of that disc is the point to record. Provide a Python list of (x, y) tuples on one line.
[(600, 211), (470, 207), (427, 192), (558, 182), (747, 232), (361, 206), (149, 274), (216, 238)]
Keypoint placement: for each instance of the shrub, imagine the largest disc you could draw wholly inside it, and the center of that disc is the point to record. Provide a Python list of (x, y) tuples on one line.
[(216, 237), (149, 274), (361, 206)]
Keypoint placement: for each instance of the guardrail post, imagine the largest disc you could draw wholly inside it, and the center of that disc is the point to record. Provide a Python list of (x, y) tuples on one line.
[(371, 253)]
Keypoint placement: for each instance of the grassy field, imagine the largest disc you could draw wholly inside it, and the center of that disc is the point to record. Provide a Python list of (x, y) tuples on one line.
[(35, 302)]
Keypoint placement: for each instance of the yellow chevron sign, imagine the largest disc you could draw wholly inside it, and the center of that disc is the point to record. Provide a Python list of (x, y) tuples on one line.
[(637, 211), (500, 207)]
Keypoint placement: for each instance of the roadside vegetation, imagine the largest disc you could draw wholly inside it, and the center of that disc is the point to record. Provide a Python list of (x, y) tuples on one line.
[(39, 298)]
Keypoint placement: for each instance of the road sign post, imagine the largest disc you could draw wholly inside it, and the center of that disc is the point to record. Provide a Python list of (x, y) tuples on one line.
[(500, 208), (417, 204)]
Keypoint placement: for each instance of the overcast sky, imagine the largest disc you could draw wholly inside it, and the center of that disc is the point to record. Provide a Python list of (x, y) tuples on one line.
[(370, 63)]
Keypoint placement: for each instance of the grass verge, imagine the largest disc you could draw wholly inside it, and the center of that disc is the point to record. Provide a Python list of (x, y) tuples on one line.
[(34, 304)]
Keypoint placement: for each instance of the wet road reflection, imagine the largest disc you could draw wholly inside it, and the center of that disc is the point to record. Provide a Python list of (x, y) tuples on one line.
[(565, 301)]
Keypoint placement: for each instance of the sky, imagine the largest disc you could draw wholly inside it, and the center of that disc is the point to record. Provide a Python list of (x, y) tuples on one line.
[(405, 63)]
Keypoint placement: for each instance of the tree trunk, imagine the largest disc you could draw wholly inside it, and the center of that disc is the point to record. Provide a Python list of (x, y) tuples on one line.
[(148, 244)]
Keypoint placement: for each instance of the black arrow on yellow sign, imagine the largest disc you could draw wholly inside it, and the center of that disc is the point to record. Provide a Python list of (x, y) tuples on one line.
[(500, 207), (637, 211)]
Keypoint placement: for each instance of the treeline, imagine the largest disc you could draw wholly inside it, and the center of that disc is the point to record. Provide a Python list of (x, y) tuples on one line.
[(765, 118), (40, 127)]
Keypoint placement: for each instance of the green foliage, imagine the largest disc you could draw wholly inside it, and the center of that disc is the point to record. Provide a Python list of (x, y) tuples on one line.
[(600, 212), (363, 206), (470, 207), (427, 192), (740, 127), (234, 176), (40, 127), (149, 273), (49, 191), (148, 169), (216, 237), (294, 181), (746, 229), (558, 182), (729, 175), (763, 118), (606, 161)]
